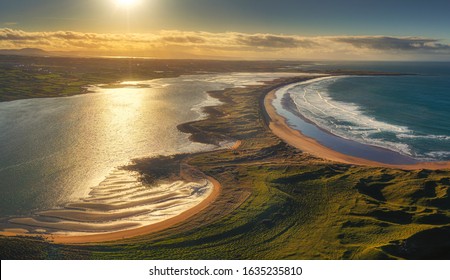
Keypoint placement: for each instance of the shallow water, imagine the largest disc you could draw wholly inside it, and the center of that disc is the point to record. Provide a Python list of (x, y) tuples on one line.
[(119, 202), (55, 150)]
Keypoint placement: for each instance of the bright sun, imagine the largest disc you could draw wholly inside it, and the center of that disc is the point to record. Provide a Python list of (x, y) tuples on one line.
[(126, 3)]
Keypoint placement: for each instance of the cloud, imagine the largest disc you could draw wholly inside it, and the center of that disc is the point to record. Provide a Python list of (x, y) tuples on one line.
[(273, 41), (7, 34), (10, 23), (394, 43), (170, 43), (184, 39)]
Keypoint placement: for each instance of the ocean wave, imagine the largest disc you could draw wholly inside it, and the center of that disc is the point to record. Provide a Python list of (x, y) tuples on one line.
[(426, 137), (347, 120), (438, 154)]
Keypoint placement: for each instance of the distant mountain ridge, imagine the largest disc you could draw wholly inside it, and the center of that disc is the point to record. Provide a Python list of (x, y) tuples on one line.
[(25, 52)]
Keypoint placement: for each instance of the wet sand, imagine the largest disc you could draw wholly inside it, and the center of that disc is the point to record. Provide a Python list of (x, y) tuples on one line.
[(66, 239), (122, 234), (295, 138)]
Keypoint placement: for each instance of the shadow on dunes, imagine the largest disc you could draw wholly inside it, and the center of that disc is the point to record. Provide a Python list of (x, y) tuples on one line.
[(434, 219), (321, 173), (428, 244), (397, 217)]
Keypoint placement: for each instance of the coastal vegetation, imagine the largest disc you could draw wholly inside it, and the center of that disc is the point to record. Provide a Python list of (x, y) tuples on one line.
[(33, 77), (276, 202)]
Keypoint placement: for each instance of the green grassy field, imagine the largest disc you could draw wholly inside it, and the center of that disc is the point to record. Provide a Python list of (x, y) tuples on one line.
[(279, 203), (33, 77)]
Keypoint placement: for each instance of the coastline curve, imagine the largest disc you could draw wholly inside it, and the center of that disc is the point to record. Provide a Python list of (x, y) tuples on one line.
[(279, 126)]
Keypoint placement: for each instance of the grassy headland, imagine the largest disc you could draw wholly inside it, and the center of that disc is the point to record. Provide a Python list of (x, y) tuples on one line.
[(280, 203)]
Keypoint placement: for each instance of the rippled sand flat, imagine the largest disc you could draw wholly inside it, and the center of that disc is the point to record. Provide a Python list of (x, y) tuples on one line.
[(120, 202)]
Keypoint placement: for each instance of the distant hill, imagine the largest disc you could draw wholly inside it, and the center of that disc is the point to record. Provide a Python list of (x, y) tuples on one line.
[(25, 52)]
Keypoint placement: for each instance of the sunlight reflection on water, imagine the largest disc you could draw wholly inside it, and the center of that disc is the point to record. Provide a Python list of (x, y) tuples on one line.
[(53, 150)]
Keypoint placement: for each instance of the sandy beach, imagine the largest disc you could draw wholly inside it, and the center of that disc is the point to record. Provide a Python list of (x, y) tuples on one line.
[(280, 128), (122, 234)]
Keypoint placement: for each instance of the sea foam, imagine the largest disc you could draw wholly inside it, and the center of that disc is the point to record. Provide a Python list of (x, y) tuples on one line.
[(348, 120)]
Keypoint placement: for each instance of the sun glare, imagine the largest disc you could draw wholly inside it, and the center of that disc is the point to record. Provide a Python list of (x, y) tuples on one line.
[(126, 3)]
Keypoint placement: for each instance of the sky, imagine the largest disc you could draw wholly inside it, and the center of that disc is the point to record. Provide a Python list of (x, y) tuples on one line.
[(233, 29)]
